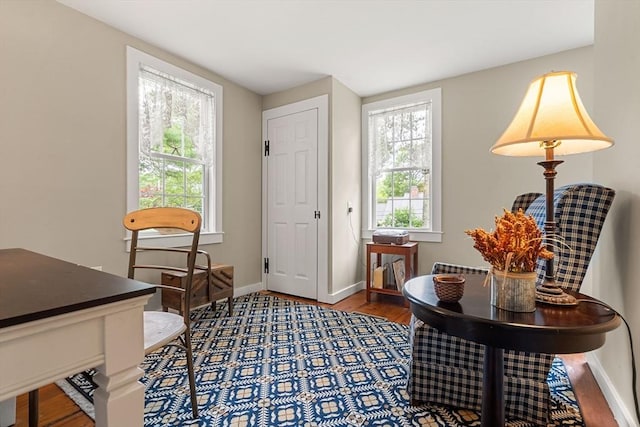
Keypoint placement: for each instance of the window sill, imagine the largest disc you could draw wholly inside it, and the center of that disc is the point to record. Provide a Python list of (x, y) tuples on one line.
[(414, 236), (175, 240)]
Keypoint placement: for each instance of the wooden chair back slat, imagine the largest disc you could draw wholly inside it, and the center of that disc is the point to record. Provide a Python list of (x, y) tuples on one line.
[(144, 219)]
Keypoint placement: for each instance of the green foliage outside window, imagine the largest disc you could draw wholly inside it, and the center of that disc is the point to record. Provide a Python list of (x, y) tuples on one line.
[(172, 181), (172, 143), (402, 218), (399, 184)]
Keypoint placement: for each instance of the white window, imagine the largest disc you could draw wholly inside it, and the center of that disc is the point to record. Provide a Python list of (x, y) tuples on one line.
[(401, 165), (174, 143)]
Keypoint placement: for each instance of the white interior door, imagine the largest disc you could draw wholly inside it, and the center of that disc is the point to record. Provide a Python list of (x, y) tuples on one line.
[(292, 204)]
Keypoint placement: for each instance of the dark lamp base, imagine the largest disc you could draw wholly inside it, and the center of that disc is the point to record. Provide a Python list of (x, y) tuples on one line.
[(554, 295)]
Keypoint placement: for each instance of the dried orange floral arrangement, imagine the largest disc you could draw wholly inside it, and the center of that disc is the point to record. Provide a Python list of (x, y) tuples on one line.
[(514, 246)]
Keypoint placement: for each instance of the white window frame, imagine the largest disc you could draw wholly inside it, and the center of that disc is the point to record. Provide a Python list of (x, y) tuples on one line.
[(214, 233), (434, 234)]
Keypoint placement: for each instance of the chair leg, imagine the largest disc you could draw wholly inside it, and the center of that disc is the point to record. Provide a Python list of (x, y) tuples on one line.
[(33, 408), (192, 379), (230, 303)]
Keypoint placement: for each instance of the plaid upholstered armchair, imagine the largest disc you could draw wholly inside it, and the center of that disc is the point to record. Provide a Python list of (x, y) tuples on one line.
[(448, 370)]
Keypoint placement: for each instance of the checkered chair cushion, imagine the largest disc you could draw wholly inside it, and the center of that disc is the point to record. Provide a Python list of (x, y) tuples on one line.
[(580, 210), (448, 370), (523, 201)]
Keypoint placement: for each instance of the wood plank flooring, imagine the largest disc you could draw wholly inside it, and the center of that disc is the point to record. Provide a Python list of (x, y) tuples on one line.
[(57, 410)]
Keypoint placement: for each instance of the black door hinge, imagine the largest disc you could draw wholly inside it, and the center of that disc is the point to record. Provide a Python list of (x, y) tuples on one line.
[(266, 265), (266, 147), (316, 214)]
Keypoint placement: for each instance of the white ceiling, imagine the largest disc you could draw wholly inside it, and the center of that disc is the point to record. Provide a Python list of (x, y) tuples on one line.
[(371, 46)]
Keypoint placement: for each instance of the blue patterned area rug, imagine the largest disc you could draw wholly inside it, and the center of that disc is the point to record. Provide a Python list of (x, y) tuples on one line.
[(277, 362)]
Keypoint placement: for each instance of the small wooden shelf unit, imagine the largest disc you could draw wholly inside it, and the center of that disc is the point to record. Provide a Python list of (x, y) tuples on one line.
[(410, 253)]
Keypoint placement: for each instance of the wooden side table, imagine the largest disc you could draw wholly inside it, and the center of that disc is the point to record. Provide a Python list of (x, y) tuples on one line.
[(410, 253)]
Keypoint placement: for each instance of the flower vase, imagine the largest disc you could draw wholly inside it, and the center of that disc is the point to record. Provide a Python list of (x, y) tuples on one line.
[(514, 291)]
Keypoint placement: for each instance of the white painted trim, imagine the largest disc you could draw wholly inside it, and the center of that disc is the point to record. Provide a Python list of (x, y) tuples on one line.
[(621, 413), (134, 59), (331, 299), (174, 240), (414, 236), (8, 412), (321, 103), (248, 289), (435, 96), (436, 159), (344, 293)]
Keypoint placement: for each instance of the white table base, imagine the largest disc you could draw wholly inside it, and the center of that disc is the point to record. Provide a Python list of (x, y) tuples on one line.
[(108, 337)]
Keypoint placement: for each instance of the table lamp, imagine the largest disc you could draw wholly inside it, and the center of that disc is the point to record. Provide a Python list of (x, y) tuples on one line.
[(551, 121)]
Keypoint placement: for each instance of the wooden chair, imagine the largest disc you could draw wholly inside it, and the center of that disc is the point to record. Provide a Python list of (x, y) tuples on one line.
[(160, 328), (164, 328)]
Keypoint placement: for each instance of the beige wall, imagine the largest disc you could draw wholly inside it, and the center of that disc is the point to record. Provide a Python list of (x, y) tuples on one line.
[(477, 108), (63, 115), (345, 187), (617, 113), (299, 93)]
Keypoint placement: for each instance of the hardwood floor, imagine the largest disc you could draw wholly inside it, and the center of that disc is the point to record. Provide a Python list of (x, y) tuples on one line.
[(57, 410)]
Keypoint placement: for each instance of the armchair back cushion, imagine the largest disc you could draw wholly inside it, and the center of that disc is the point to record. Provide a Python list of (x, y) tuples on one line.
[(579, 212)]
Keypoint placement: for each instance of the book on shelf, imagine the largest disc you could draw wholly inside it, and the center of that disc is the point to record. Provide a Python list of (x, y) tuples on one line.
[(379, 277), (399, 273)]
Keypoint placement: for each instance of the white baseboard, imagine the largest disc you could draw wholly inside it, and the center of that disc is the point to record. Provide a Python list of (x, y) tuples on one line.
[(330, 299), (247, 289), (621, 413), (344, 293), (8, 412)]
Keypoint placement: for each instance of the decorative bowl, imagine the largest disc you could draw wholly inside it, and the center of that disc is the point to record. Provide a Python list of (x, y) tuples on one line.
[(448, 287)]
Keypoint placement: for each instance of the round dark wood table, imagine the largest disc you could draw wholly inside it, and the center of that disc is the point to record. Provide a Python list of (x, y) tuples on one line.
[(548, 329)]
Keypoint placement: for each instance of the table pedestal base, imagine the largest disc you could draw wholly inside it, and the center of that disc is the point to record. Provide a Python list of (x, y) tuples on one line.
[(493, 387)]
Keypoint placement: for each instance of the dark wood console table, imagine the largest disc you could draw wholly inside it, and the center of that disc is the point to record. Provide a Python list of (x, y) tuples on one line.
[(549, 329), (410, 253)]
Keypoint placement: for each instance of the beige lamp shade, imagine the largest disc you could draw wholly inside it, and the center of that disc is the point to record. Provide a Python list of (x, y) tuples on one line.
[(552, 113)]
